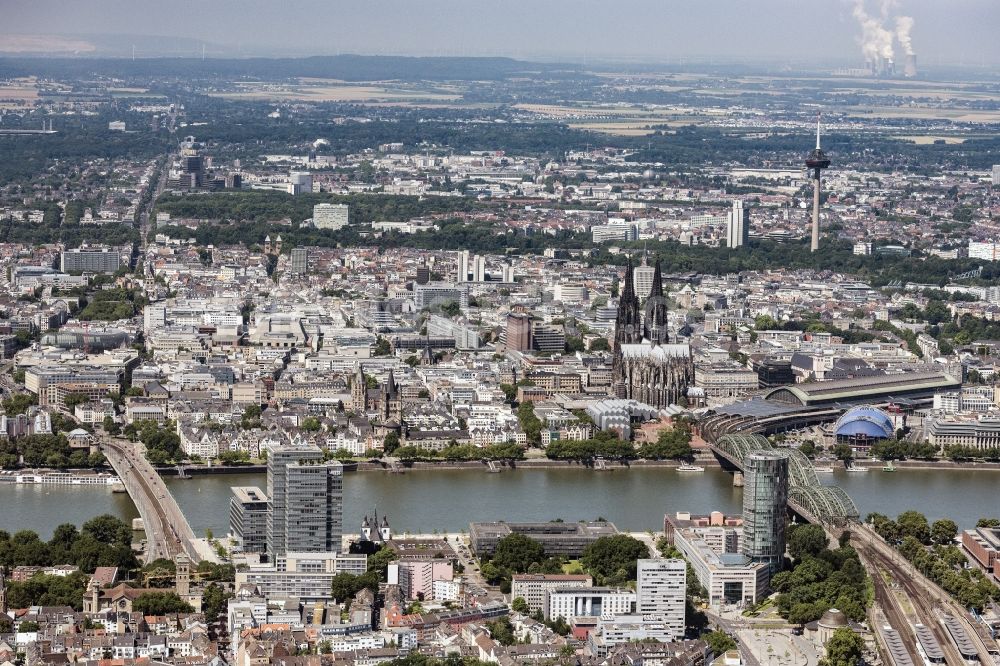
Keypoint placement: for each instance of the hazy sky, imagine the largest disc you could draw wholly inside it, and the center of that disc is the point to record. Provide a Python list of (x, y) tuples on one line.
[(944, 30)]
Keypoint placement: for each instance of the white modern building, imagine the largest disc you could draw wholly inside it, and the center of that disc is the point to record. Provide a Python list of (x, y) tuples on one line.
[(729, 576), (331, 216), (588, 602), (738, 229), (660, 592)]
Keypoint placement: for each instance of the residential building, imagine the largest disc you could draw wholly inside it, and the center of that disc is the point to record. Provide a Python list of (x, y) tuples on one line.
[(87, 259), (568, 539), (661, 586), (518, 336), (428, 295)]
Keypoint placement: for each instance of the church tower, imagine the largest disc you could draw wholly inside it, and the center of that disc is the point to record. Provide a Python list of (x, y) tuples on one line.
[(654, 327), (392, 404), (359, 391), (628, 331), (3, 590), (627, 323), (182, 582)]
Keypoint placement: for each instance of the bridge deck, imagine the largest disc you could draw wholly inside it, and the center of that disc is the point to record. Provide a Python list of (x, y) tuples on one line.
[(167, 530)]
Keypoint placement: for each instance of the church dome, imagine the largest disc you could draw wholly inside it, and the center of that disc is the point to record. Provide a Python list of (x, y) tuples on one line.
[(833, 619)]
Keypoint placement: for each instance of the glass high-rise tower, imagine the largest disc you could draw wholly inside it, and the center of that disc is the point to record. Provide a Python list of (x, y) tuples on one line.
[(305, 502), (765, 502)]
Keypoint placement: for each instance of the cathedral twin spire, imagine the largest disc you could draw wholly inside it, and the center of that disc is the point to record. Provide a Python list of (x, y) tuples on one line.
[(630, 326)]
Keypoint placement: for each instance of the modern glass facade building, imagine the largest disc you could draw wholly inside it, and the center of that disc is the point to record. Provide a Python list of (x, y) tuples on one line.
[(306, 496), (765, 502)]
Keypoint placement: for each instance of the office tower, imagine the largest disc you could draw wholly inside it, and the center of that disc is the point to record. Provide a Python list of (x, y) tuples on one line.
[(738, 231), (423, 275), (518, 332), (299, 262), (305, 501), (331, 216), (661, 586), (816, 162), (508, 273), (548, 337), (765, 502), (300, 182), (643, 279), (192, 168), (248, 518), (463, 266), (996, 174)]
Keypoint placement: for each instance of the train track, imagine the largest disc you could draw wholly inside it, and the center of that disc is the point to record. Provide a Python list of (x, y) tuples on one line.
[(923, 605)]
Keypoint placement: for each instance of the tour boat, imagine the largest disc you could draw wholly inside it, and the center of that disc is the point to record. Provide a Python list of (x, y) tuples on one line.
[(853, 468), (690, 468), (889, 468), (823, 470)]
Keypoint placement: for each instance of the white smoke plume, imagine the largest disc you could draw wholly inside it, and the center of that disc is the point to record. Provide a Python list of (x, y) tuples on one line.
[(904, 24), (876, 40)]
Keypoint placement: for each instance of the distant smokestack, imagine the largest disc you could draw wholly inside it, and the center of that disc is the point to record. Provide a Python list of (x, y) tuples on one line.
[(910, 66)]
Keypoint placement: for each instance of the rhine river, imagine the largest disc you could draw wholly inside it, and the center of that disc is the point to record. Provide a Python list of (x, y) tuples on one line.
[(423, 501)]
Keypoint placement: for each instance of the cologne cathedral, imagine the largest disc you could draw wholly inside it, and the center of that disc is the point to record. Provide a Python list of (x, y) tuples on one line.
[(645, 366)]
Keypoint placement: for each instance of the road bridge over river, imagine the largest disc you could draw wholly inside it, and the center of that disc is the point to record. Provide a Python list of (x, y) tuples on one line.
[(167, 530)]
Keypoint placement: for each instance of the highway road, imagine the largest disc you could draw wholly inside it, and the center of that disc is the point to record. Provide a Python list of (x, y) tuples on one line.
[(167, 530)]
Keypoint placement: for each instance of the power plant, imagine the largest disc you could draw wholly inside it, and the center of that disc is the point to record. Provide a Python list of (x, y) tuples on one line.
[(878, 39), (816, 162)]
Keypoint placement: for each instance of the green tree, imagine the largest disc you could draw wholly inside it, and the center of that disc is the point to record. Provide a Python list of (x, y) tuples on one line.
[(516, 552), (214, 601), (519, 605), (914, 524), (719, 642), (108, 529), (382, 347), (390, 443), (111, 427), (612, 560), (843, 452), (943, 531), (807, 540), (845, 648), (530, 424), (509, 392), (379, 561), (160, 603)]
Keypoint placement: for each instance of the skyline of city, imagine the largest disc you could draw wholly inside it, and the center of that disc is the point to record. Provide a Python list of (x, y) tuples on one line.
[(351, 360)]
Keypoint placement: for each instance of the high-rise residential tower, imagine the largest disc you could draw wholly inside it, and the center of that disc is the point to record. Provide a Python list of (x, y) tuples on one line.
[(660, 589)]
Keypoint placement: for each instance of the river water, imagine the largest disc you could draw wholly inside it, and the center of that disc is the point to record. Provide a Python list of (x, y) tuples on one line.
[(423, 501)]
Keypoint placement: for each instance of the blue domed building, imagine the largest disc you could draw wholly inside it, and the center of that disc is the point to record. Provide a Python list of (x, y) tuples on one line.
[(861, 426)]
